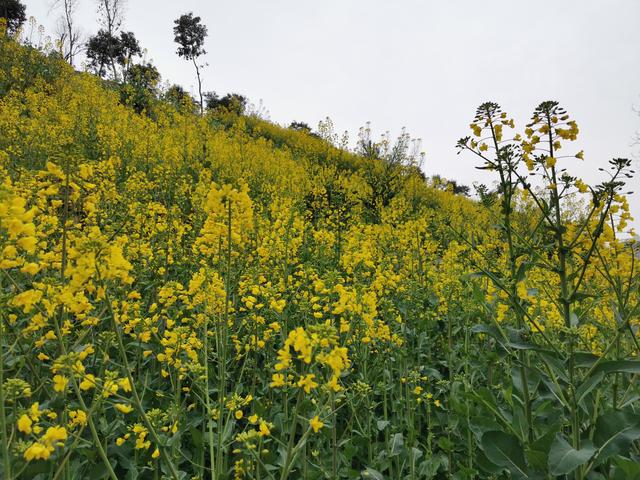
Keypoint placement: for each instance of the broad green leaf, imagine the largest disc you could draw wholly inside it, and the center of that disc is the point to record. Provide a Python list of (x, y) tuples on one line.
[(382, 424), (370, 473), (489, 330), (396, 444), (579, 296), (533, 380), (481, 424), (416, 454), (614, 433), (429, 467), (520, 345), (618, 366), (564, 459), (537, 459), (584, 359), (629, 469), (588, 386), (538, 453), (505, 450), (573, 319), (445, 444), (522, 270), (486, 465), (558, 366)]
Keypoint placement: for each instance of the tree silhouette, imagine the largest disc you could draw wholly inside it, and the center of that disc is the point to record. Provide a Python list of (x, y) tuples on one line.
[(142, 87), (231, 102), (14, 13), (179, 98), (189, 34), (300, 126), (104, 49), (110, 17), (101, 49), (128, 47)]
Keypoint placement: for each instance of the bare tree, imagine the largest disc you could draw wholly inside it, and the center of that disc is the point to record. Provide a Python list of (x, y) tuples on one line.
[(111, 14), (68, 34)]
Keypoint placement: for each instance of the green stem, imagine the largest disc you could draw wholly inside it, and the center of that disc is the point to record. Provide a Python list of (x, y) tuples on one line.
[(134, 390), (207, 399), (3, 419), (292, 433)]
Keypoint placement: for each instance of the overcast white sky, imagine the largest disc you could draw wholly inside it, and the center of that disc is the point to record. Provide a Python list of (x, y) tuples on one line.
[(424, 65)]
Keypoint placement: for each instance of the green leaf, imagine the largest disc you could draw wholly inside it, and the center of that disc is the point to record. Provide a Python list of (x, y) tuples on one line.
[(429, 467), (445, 444), (614, 433), (584, 359), (538, 453), (586, 388), (618, 366), (522, 270), (416, 454), (489, 330), (558, 366), (564, 459), (370, 473), (579, 296), (630, 400), (481, 424), (382, 424), (520, 345), (505, 450), (533, 381), (395, 447), (537, 459), (630, 469), (482, 462)]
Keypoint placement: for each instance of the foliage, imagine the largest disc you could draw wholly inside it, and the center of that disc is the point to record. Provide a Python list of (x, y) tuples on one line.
[(300, 126), (189, 33), (564, 411), (105, 51), (231, 102), (13, 12), (142, 87)]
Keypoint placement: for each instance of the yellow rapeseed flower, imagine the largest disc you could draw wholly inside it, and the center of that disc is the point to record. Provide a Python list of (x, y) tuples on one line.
[(316, 424), (24, 424)]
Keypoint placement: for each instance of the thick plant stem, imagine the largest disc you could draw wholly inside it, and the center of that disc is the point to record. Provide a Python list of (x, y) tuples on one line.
[(207, 399), (221, 335), (334, 439), (292, 434), (507, 188), (565, 299), (450, 368)]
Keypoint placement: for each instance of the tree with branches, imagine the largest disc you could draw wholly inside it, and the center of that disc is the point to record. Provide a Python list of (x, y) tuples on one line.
[(69, 35), (189, 34)]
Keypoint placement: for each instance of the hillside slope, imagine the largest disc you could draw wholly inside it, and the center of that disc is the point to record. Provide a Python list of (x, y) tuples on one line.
[(220, 297)]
